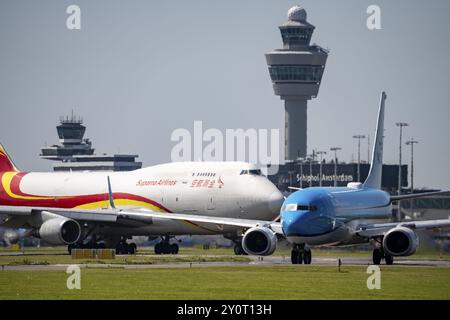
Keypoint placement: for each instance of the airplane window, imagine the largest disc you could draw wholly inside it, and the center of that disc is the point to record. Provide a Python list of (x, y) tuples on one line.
[(291, 207), (297, 207), (256, 172), (306, 208)]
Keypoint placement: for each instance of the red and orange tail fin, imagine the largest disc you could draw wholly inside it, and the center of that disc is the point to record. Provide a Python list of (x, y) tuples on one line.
[(5, 162)]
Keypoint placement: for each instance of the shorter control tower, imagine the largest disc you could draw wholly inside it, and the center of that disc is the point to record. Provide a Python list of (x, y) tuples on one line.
[(70, 133), (296, 72), (76, 154)]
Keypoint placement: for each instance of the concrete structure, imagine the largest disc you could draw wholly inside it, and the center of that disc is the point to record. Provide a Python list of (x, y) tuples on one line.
[(296, 72), (77, 154)]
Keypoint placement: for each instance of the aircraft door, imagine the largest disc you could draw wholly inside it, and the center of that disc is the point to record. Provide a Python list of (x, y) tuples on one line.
[(211, 199)]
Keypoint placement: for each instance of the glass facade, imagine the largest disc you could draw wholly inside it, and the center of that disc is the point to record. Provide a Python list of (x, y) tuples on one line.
[(296, 73), (71, 132), (296, 35)]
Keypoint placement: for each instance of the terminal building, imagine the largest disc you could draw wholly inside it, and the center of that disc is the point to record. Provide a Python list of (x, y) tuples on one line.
[(76, 154), (304, 174)]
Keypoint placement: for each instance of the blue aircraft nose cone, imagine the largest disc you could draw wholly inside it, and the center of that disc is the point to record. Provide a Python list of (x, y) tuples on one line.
[(305, 224), (294, 223)]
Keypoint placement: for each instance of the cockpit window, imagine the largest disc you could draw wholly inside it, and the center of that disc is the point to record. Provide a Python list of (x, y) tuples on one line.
[(256, 172), (298, 207)]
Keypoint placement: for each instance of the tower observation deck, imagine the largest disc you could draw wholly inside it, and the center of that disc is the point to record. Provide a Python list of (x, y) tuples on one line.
[(296, 73)]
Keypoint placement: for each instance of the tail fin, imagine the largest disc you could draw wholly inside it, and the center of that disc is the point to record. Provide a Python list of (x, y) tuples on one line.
[(5, 162), (374, 178)]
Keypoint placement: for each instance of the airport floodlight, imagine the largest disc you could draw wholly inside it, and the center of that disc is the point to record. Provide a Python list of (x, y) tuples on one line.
[(359, 137), (411, 143), (399, 191), (320, 153), (335, 149)]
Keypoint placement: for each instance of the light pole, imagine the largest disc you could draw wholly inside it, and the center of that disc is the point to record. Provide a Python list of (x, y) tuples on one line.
[(368, 148), (359, 137), (335, 149), (311, 158), (320, 153), (399, 191), (411, 144), (301, 173)]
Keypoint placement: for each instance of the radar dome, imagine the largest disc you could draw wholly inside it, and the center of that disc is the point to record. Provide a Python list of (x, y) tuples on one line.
[(297, 13)]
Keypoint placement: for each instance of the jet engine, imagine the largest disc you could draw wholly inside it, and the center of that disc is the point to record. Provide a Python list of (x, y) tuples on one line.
[(400, 241), (60, 231), (260, 241)]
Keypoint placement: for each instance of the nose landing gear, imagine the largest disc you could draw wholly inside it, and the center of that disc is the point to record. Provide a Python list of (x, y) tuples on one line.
[(301, 253)]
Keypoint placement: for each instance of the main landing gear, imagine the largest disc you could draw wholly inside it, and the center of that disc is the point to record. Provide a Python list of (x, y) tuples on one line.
[(164, 247), (378, 254), (126, 248), (238, 250), (301, 253)]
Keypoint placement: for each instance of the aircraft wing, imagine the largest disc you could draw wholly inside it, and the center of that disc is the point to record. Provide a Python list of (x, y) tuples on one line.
[(379, 229), (133, 216), (419, 195)]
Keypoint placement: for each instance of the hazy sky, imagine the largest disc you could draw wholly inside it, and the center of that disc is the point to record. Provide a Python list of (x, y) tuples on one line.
[(137, 70)]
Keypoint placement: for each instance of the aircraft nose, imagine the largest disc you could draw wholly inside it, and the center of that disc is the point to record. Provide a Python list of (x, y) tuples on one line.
[(275, 201)]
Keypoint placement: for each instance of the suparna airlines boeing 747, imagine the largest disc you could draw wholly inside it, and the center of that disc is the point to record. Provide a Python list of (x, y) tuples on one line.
[(92, 209)]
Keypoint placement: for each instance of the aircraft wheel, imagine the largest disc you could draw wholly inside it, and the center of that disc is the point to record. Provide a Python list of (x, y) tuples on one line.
[(376, 256), (70, 247), (123, 248), (296, 257), (389, 259), (238, 250), (132, 248), (158, 248), (307, 256), (174, 248)]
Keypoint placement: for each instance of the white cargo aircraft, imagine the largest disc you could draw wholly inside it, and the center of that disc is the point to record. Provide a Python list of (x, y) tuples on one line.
[(104, 209)]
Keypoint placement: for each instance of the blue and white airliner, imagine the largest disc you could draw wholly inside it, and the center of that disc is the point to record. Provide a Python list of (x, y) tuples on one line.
[(337, 216)]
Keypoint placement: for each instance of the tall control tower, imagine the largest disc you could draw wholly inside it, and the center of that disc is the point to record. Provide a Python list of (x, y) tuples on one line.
[(296, 72)]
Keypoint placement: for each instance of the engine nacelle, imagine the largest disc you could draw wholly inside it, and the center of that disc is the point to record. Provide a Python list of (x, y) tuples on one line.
[(60, 231), (400, 241), (259, 241)]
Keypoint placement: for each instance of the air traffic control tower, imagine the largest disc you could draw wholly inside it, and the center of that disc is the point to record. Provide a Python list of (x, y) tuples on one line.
[(296, 72)]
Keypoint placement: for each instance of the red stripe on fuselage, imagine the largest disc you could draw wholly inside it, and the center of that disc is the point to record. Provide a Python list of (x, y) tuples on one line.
[(63, 201)]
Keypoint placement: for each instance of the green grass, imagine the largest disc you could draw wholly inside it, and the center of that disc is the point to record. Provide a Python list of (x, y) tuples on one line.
[(252, 282)]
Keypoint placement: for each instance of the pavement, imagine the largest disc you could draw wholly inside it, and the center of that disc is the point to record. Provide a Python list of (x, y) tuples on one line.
[(256, 261)]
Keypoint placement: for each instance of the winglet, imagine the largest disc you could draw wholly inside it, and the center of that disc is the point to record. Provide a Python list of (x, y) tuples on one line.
[(111, 198), (374, 178)]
